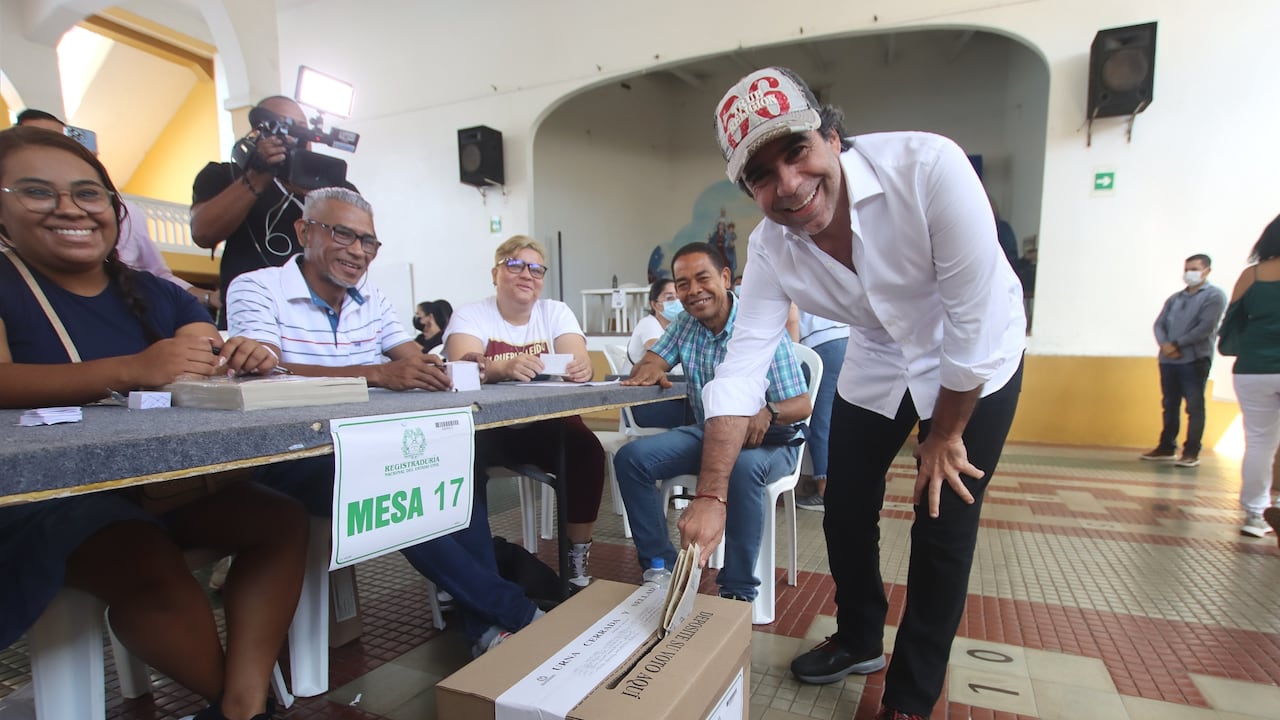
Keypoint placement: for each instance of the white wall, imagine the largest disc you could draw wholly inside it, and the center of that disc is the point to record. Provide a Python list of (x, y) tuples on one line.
[(620, 166), (1195, 178)]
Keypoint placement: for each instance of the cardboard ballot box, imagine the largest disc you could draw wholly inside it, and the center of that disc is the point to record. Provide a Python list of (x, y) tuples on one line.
[(598, 656)]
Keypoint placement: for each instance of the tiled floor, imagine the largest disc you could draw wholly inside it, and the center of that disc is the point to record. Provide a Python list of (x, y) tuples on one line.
[(1103, 587)]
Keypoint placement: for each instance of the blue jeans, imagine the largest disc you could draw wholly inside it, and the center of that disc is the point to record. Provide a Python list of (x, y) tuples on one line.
[(1181, 382), (832, 354), (641, 463), (461, 563)]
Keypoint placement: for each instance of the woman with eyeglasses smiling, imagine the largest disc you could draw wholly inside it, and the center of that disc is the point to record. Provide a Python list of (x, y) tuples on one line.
[(510, 330), (75, 324)]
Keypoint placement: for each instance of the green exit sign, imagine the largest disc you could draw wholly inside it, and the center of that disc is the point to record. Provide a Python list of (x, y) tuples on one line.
[(1104, 181)]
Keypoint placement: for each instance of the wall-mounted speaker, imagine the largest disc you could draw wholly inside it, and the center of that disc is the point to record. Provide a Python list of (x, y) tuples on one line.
[(480, 156), (1122, 69)]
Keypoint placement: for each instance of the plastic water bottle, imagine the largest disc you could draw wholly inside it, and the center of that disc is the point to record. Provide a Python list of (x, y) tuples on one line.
[(615, 281), (658, 574)]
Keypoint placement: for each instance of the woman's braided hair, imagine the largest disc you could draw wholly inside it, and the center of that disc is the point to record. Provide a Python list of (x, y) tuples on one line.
[(121, 276)]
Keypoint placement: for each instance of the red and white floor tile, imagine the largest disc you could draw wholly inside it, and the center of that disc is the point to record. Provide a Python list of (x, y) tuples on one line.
[(1102, 588)]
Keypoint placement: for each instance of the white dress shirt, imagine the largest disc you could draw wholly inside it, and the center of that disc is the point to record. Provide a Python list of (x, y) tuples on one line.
[(933, 303)]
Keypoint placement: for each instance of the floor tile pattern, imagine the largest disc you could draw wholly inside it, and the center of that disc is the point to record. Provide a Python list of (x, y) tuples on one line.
[(1102, 587)]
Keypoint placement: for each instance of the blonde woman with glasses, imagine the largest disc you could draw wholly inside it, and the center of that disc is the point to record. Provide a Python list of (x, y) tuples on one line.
[(509, 330)]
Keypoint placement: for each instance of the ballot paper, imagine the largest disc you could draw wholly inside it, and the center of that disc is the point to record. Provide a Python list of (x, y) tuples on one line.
[(50, 416), (682, 589), (555, 363)]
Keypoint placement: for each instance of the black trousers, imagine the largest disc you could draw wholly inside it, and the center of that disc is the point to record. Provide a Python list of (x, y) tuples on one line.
[(863, 446)]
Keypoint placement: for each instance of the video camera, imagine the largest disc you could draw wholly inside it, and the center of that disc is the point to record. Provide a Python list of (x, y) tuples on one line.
[(301, 168)]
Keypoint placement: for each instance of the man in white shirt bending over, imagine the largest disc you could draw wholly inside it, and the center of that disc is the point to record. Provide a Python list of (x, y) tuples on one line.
[(892, 234)]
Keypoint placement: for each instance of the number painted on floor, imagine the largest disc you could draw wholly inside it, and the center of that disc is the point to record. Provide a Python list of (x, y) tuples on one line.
[(991, 656), (974, 687)]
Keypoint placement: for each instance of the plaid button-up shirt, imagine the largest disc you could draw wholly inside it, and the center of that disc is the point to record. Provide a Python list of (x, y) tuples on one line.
[(688, 342)]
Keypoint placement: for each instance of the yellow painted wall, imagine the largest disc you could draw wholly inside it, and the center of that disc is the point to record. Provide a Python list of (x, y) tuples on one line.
[(1111, 401), (188, 142), (4, 114), (1069, 400)]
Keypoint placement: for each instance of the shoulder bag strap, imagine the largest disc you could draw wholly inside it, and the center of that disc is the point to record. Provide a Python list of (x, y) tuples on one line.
[(54, 320)]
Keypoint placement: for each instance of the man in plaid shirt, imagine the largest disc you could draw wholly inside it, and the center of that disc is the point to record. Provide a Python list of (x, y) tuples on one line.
[(697, 340)]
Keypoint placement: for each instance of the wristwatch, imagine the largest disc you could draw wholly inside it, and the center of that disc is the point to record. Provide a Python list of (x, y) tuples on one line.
[(773, 412)]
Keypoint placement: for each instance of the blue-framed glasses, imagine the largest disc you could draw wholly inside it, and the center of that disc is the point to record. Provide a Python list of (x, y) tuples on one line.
[(515, 266)]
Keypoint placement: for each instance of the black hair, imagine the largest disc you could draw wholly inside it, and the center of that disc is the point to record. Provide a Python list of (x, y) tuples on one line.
[(121, 276), (1268, 246), (699, 247), (440, 310), (33, 114), (1202, 258), (655, 290)]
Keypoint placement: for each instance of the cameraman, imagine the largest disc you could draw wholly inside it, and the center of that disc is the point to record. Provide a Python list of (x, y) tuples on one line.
[(251, 206)]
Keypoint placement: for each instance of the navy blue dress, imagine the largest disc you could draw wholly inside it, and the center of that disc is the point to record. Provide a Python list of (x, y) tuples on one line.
[(37, 538)]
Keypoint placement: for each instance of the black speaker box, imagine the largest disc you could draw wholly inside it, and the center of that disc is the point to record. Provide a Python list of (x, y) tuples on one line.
[(480, 156), (1122, 69)]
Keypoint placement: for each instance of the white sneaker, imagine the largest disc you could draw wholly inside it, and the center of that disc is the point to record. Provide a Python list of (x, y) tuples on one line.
[(491, 639), (578, 555), (1255, 526)]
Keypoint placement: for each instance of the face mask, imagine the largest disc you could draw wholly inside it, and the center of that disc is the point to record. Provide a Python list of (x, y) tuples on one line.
[(417, 323), (1193, 277), (737, 289), (671, 309)]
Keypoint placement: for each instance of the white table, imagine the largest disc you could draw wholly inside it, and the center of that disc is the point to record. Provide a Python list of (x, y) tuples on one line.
[(600, 316)]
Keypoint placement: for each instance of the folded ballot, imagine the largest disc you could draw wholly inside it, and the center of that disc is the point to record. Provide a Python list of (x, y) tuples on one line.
[(682, 589), (252, 392)]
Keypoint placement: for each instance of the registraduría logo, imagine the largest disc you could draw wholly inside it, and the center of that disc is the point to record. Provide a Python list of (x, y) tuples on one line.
[(413, 444)]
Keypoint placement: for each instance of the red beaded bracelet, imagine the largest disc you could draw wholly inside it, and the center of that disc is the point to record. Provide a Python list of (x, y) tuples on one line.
[(705, 496)]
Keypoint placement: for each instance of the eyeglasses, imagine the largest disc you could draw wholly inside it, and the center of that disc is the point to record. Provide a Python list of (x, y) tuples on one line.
[(345, 237), (39, 197), (515, 266)]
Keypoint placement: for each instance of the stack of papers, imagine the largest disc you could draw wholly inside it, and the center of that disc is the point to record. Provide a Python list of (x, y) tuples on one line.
[(254, 392), (50, 416)]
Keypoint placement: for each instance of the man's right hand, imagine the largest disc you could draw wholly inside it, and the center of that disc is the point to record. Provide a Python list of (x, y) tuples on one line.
[(415, 372), (702, 522), (648, 373)]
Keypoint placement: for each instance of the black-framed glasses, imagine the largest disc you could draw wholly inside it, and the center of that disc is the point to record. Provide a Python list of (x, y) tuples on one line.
[(42, 197), (515, 266), (345, 237)]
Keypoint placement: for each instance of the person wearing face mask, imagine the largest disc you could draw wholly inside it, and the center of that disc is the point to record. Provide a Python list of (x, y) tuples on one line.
[(664, 308), (1185, 331), (430, 320)]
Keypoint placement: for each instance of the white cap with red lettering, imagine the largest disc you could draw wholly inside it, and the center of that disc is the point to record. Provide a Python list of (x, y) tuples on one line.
[(761, 107)]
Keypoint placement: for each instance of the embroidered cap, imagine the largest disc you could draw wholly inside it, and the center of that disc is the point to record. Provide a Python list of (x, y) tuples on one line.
[(761, 107)]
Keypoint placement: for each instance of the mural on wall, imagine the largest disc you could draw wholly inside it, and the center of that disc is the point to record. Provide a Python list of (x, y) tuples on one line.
[(723, 216)]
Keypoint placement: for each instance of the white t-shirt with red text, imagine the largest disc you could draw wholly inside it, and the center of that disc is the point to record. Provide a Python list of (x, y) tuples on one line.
[(549, 320)]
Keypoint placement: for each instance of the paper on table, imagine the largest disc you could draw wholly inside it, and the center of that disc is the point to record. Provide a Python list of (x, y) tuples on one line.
[(50, 416), (559, 383)]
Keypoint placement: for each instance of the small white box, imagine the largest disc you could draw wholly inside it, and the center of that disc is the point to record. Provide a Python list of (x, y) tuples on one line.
[(149, 400), (464, 374)]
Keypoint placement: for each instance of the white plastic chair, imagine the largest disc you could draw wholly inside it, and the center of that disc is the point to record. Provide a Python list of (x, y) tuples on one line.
[(762, 608), (616, 356)]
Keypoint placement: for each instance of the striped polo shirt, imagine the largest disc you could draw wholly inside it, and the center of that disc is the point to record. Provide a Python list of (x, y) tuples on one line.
[(275, 305)]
